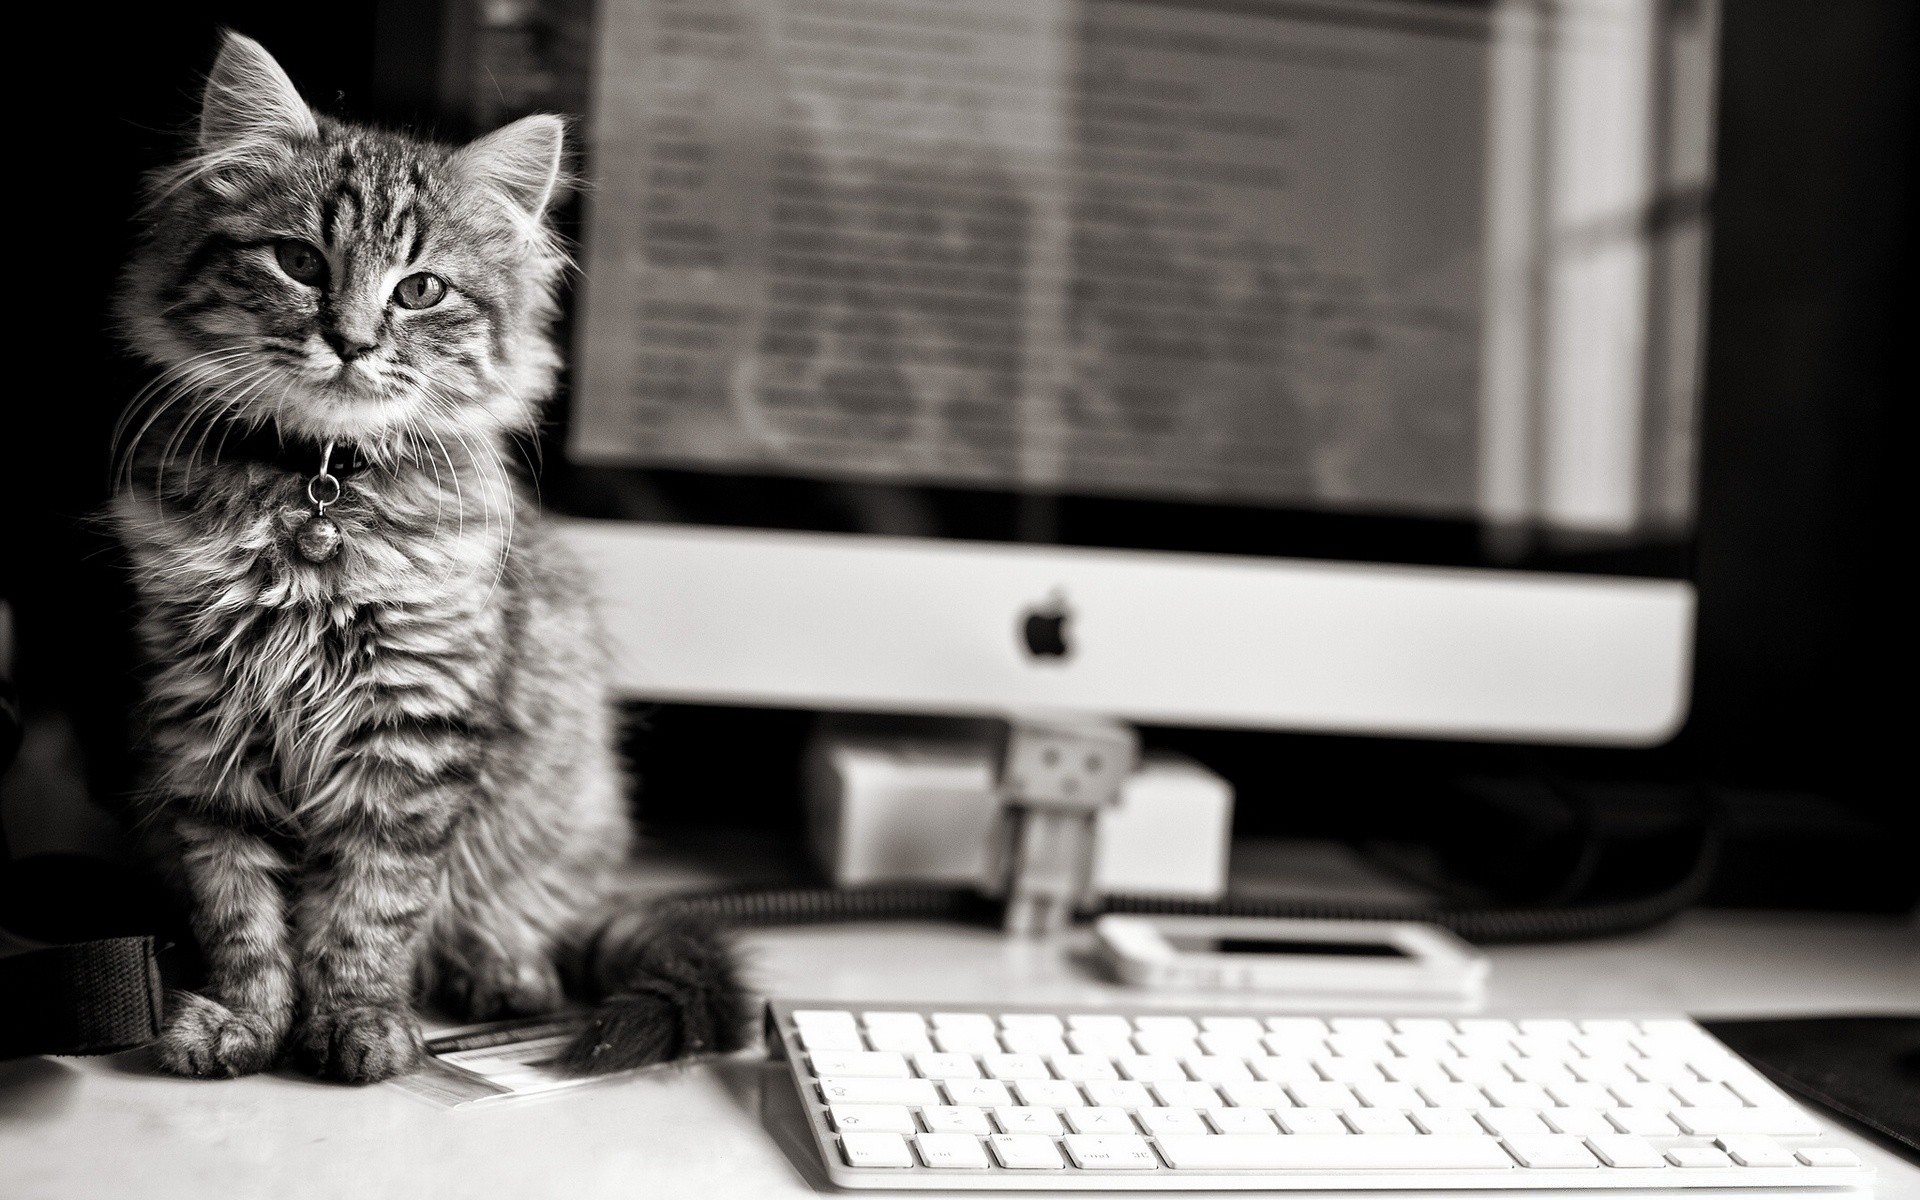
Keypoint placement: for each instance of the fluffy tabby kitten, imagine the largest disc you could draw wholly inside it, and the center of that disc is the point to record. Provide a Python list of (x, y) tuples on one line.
[(382, 759)]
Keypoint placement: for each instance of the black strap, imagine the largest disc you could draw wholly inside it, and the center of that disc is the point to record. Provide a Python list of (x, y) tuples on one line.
[(85, 998)]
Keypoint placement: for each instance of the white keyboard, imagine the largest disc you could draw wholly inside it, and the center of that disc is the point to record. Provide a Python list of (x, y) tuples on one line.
[(938, 1096)]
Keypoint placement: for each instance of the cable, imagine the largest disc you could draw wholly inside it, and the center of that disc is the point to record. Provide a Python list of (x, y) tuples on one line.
[(1481, 925)]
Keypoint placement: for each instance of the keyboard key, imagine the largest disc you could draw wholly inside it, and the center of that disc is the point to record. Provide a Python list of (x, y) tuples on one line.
[(1348, 1070), (1026, 1119), (954, 1118), (1710, 1122), (1050, 1093), (1231, 1044), (940, 1066), (979, 1022), (1580, 1122), (1600, 1070), (875, 1150), (1376, 1028), (1475, 1070), (1255, 1152), (1172, 1045), (952, 1151), (1101, 1023), (1580, 1095), (1323, 1095), (1026, 1152), (1419, 1045), (1103, 1042), (1553, 1027), (1309, 1026), (1608, 1027), (1111, 1152), (1706, 1095), (899, 1039), (1237, 1026), (1646, 1122), (1015, 1066), (1359, 1045), (835, 1089), (1644, 1095), (1162, 1121), (1828, 1156), (1660, 1070), (872, 1118), (1698, 1156), (1149, 1068), (817, 1018), (1033, 1041), (1175, 1094), (983, 1093), (1239, 1121), (910, 1022), (1098, 1120), (1517, 1095), (1301, 1045), (1211, 1068), (860, 1064), (1752, 1150), (1551, 1152), (1446, 1121), (1174, 1026), (1538, 1070), (1512, 1122), (1116, 1093), (1082, 1066), (1257, 1094), (1377, 1121), (831, 1035), (1626, 1151), (1428, 1026), (1040, 1023), (1310, 1121), (1388, 1095), (1413, 1070), (1283, 1069), (966, 1039), (1453, 1095), (1498, 1027), (1473, 1045)]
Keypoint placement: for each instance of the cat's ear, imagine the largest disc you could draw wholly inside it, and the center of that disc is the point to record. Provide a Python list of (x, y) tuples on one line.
[(521, 162), (250, 99)]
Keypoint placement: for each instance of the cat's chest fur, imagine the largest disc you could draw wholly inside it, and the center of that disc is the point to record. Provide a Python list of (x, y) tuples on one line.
[(272, 666)]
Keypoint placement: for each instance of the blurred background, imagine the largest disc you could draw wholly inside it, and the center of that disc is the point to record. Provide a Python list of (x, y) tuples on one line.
[(1801, 656)]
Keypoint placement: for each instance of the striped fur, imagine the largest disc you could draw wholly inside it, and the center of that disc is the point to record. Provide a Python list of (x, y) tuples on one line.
[(394, 770)]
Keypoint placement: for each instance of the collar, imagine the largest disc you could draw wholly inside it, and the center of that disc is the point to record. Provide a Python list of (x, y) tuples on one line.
[(296, 455)]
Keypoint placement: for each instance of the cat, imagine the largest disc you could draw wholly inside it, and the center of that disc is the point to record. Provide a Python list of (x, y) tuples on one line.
[(382, 752)]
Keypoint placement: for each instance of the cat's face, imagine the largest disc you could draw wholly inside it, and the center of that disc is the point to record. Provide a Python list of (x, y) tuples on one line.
[(347, 283)]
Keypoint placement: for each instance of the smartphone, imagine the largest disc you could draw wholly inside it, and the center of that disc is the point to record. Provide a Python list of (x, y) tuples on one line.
[(1359, 959)]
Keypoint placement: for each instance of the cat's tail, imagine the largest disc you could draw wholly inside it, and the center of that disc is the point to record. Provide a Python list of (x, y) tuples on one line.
[(668, 985)]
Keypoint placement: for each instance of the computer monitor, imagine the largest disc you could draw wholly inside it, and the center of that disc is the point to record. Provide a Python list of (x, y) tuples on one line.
[(1309, 364)]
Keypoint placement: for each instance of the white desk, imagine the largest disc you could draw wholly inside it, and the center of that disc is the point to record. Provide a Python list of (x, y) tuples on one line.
[(81, 1128)]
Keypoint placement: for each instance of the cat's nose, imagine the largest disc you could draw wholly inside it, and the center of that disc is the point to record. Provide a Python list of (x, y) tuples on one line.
[(346, 345)]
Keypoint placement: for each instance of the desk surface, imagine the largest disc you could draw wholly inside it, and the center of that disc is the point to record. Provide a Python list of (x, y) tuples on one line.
[(77, 1128)]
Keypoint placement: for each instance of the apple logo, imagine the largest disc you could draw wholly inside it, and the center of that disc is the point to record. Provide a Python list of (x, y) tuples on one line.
[(1043, 628)]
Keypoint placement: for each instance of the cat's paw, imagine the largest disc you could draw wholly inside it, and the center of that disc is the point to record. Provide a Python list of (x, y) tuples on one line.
[(359, 1045), (205, 1039), (495, 987)]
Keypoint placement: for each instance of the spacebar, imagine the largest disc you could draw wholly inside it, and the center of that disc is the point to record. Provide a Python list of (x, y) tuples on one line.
[(1307, 1152)]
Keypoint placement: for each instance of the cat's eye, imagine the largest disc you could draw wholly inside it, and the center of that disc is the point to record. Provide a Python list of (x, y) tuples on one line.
[(422, 289), (302, 261)]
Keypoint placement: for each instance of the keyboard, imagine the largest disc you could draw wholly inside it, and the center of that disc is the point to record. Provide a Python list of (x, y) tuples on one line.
[(1005, 1097)]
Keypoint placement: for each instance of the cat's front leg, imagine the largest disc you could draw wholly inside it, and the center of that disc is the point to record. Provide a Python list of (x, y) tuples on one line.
[(237, 1023), (363, 905)]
